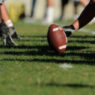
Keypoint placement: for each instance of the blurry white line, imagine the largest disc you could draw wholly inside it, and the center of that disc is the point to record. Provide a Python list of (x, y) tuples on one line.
[(66, 66), (87, 31), (62, 47)]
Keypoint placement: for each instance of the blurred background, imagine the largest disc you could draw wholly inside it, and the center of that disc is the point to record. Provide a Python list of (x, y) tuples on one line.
[(37, 9)]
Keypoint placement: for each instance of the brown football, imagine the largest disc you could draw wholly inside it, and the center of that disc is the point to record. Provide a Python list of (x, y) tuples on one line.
[(57, 38)]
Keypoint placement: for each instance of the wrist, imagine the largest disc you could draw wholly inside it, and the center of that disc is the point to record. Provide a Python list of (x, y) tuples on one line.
[(76, 25), (9, 23)]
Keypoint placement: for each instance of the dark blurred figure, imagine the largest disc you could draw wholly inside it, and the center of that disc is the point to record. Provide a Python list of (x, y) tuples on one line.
[(33, 8), (31, 18), (76, 4), (63, 4)]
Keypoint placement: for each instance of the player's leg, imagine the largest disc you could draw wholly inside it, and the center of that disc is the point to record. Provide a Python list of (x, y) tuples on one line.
[(33, 7), (63, 4), (76, 4), (84, 2), (86, 16), (49, 12), (50, 3), (8, 22)]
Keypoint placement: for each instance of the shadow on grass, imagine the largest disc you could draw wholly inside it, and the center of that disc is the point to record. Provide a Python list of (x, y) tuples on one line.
[(84, 41), (31, 40), (45, 50), (66, 85), (89, 58), (33, 36), (52, 60), (83, 36)]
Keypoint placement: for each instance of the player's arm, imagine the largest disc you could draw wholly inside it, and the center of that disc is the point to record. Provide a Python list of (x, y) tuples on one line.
[(6, 38), (86, 16), (7, 21)]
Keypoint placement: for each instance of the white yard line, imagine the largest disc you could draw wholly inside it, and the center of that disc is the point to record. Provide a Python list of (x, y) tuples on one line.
[(81, 30), (66, 66), (87, 31)]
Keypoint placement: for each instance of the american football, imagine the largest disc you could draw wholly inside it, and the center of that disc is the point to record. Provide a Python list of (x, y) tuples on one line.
[(57, 38), (40, 57)]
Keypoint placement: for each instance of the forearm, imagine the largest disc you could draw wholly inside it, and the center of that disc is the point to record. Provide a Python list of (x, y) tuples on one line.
[(4, 12), (86, 16)]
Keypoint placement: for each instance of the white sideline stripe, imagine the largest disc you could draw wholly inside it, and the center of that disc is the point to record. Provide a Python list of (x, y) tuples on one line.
[(87, 31), (62, 47), (81, 30), (69, 30)]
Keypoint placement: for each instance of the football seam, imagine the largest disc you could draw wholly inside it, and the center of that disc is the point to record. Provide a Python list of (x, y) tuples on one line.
[(62, 47)]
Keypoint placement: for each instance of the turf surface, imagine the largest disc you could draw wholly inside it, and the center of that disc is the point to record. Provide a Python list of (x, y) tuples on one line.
[(32, 68)]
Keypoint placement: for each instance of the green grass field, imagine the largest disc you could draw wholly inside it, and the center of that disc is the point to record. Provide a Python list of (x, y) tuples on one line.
[(32, 68)]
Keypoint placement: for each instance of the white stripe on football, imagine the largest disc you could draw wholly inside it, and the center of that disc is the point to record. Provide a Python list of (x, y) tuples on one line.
[(62, 47), (55, 29)]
